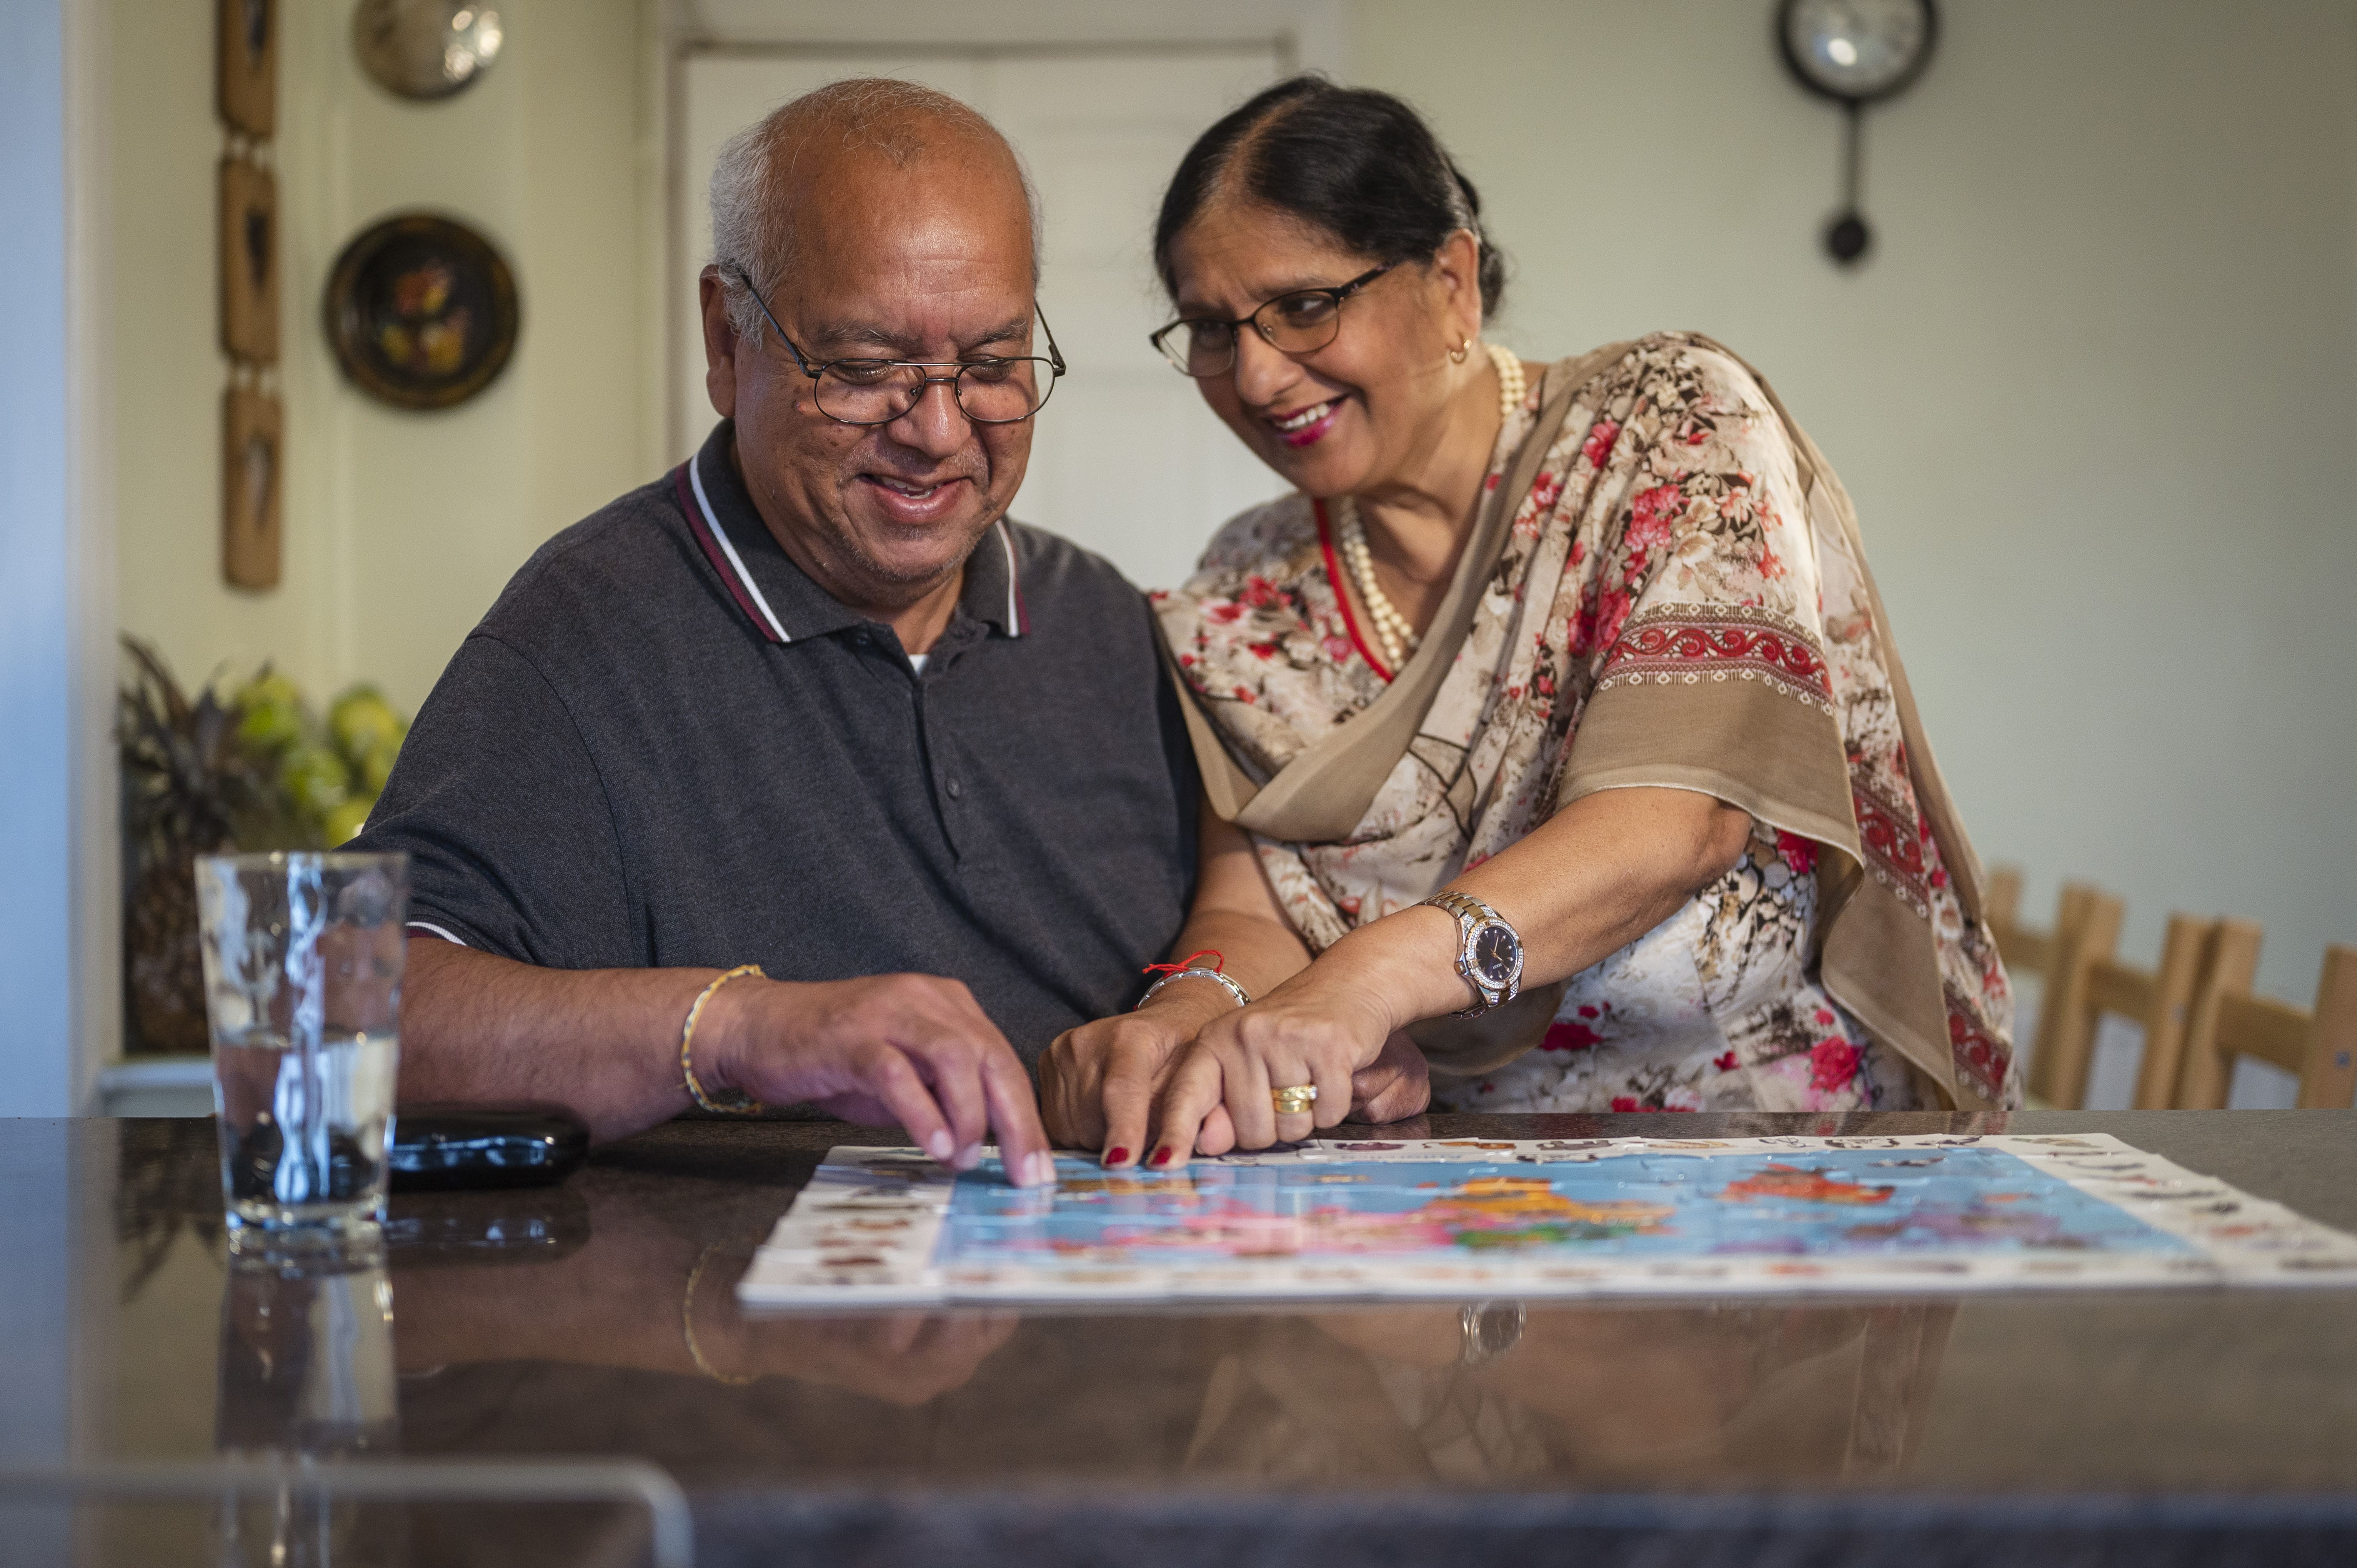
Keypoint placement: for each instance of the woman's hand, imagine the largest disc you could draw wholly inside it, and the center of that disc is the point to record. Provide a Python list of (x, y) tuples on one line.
[(1238, 1062), (1338, 1025), (1098, 1083), (1336, 1020)]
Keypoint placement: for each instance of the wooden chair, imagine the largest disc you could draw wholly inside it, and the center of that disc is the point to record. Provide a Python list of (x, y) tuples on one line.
[(2157, 1001), (2319, 1045), (2083, 980)]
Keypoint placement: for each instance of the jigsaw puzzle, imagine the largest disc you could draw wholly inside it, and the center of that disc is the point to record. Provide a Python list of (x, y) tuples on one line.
[(1471, 1219)]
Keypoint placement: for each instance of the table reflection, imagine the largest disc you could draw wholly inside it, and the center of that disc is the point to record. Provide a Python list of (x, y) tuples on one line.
[(1610, 1395), (307, 1373), (636, 1332)]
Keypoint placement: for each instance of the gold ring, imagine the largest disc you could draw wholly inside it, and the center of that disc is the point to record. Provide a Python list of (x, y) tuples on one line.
[(1294, 1101)]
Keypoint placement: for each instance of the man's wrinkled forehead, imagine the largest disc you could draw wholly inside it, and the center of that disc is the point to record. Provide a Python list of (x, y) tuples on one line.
[(959, 200)]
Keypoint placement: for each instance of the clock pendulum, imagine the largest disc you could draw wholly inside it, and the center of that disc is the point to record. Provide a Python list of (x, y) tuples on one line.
[(1855, 52)]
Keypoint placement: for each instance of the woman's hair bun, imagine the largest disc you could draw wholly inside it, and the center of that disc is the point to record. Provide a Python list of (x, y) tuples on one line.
[(1359, 164)]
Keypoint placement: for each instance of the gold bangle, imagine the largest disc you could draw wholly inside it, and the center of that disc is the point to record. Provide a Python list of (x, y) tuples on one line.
[(687, 1318), (744, 1104)]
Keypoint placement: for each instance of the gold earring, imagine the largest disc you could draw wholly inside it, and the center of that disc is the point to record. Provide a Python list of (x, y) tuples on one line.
[(1457, 355)]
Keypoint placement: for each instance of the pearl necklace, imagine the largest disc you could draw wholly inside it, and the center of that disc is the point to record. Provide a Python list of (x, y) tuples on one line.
[(1397, 637)]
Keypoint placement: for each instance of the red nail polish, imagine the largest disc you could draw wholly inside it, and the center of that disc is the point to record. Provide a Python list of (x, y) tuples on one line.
[(1161, 1156), (1114, 1156)]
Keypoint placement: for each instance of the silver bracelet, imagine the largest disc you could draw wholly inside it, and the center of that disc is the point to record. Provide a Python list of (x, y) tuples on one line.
[(1234, 990)]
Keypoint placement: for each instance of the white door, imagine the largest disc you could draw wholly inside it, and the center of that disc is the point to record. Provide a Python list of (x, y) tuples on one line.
[(1125, 461)]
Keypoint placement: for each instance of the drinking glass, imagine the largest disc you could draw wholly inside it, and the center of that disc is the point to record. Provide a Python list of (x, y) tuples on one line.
[(303, 956)]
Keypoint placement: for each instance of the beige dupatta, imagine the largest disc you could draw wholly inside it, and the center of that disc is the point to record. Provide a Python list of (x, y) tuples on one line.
[(1797, 746)]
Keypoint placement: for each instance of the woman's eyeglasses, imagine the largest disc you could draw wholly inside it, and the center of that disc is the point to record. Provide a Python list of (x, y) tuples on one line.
[(1298, 323), (993, 390)]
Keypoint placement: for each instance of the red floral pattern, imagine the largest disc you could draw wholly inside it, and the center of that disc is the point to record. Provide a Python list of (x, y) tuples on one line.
[(1896, 843), (1664, 540), (1690, 643), (1981, 1054), (1832, 1065)]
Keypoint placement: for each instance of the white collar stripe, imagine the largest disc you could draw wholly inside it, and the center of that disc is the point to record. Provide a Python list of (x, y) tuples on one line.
[(704, 505), (1015, 626)]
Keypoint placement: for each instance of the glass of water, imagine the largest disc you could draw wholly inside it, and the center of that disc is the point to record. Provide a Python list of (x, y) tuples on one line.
[(303, 955)]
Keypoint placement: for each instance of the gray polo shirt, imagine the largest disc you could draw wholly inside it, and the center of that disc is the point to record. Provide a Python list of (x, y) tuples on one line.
[(667, 745)]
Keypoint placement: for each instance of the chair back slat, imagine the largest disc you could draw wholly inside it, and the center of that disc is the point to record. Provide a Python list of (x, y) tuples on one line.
[(2329, 1082), (2232, 964), (2001, 905), (2023, 949), (2086, 932), (2170, 1010)]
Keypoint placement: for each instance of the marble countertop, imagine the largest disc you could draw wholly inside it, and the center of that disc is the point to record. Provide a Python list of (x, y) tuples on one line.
[(596, 1320)]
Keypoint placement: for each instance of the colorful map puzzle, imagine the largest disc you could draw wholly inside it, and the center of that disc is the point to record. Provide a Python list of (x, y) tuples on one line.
[(1462, 1217)]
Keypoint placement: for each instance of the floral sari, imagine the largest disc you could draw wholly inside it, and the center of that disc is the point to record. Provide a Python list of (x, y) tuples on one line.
[(1664, 588)]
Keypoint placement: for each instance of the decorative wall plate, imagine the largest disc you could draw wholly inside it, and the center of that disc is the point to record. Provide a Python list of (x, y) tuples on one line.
[(425, 48), (421, 311)]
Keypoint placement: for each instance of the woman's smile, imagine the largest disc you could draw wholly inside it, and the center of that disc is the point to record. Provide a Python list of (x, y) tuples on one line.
[(1304, 426)]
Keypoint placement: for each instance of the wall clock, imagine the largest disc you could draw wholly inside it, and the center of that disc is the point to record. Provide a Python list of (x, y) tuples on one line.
[(1855, 52), (425, 48)]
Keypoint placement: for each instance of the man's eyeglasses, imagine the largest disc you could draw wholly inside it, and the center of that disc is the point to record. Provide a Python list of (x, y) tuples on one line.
[(991, 391), (1301, 322)]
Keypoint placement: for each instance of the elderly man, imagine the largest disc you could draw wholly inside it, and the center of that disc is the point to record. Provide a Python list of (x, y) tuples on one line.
[(809, 703)]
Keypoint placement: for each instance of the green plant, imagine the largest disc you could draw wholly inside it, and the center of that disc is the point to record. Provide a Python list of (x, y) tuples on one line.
[(256, 769), (191, 786)]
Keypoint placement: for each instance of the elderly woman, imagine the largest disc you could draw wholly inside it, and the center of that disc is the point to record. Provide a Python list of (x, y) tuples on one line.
[(1553, 738)]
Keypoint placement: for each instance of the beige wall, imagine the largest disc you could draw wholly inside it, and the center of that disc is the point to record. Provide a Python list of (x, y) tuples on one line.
[(400, 527), (2095, 393)]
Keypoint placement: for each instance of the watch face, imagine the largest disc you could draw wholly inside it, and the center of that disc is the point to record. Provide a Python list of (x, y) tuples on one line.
[(1857, 50), (1497, 955), (1491, 1330)]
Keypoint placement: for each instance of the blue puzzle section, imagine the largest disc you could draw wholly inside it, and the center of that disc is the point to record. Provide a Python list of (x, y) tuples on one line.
[(1815, 1203)]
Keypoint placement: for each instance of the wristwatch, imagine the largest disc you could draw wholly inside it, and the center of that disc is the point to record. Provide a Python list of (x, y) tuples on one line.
[(1490, 955)]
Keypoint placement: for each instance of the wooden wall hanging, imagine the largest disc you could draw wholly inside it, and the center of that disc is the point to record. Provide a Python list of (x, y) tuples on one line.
[(248, 81), (253, 422), (249, 263), (251, 462)]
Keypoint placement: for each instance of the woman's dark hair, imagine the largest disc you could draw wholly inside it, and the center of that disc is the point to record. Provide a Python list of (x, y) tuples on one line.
[(1358, 164)]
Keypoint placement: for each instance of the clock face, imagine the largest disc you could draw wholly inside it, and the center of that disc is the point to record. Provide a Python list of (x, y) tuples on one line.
[(1857, 50)]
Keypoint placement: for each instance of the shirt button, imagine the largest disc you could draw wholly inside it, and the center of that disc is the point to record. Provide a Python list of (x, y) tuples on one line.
[(954, 790)]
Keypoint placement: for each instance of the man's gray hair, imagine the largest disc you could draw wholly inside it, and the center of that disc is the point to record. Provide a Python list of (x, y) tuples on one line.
[(753, 228)]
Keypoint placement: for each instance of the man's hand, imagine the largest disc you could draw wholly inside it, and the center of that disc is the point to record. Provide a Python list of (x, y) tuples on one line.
[(1098, 1083), (912, 1048)]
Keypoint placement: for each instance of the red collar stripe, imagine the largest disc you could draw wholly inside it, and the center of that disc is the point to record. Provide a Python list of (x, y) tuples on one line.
[(714, 541)]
